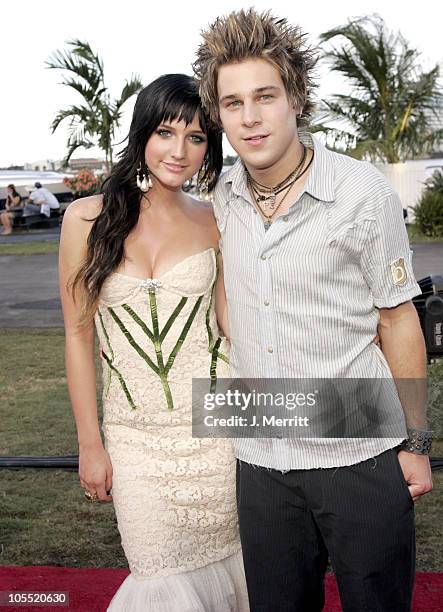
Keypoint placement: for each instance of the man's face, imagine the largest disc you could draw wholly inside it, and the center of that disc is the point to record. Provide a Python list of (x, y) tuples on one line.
[(258, 118)]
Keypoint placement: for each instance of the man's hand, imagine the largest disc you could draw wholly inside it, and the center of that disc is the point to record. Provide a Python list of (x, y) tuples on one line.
[(417, 472)]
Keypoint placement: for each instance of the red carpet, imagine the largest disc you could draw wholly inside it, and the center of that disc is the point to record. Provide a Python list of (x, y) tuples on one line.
[(91, 590)]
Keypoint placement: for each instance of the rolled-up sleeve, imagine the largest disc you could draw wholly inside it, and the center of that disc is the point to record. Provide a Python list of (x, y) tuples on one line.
[(386, 258)]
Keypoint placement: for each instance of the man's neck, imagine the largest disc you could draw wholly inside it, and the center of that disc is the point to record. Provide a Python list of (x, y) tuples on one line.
[(280, 169)]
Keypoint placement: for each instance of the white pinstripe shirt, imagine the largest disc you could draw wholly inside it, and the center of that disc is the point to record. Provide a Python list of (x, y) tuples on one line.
[(303, 296)]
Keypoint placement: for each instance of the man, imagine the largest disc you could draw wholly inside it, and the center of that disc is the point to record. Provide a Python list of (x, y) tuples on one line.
[(315, 257), (41, 200)]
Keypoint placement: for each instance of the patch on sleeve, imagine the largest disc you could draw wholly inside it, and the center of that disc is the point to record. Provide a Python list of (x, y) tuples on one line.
[(398, 271)]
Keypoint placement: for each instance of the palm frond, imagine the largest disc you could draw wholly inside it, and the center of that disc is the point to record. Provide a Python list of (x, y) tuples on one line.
[(80, 113), (130, 88), (392, 99), (96, 119)]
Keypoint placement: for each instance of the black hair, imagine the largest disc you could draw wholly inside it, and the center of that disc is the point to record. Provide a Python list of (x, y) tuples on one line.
[(168, 98)]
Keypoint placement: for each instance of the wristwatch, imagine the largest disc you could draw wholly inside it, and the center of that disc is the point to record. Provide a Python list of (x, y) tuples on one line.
[(419, 442)]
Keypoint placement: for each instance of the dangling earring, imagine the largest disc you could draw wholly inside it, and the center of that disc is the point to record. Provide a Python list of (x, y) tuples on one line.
[(203, 184), (204, 190), (143, 179)]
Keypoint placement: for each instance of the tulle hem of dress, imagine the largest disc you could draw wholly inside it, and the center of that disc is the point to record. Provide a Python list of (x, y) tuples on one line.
[(218, 587)]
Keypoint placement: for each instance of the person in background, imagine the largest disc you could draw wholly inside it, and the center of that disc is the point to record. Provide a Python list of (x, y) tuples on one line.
[(13, 203), (41, 201)]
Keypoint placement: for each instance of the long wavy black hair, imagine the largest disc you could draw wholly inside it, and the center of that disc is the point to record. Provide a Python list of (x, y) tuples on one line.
[(168, 98)]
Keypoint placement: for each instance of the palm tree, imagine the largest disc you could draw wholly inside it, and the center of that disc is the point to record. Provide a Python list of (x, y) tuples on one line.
[(388, 114), (94, 121)]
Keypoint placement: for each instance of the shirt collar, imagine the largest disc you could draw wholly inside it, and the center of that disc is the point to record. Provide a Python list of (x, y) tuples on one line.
[(321, 178)]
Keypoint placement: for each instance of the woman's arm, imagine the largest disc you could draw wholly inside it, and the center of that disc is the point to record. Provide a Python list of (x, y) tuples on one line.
[(221, 305), (95, 467)]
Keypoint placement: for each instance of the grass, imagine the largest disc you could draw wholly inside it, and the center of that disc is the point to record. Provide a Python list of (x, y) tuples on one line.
[(43, 508), (435, 398), (35, 406), (416, 237), (44, 519), (29, 248)]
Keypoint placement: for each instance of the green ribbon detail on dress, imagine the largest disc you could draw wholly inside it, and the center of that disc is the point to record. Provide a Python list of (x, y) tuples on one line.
[(172, 318), (139, 321), (131, 340), (158, 350), (108, 342), (121, 380), (156, 337), (208, 327), (213, 368), (184, 333)]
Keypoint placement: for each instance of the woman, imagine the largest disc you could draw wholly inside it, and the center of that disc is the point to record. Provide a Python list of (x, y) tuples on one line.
[(141, 260), (13, 203)]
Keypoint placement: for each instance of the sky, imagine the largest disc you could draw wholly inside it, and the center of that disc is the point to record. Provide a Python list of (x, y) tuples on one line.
[(150, 39)]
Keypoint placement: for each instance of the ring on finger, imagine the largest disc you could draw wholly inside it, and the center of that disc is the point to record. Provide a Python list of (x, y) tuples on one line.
[(92, 497)]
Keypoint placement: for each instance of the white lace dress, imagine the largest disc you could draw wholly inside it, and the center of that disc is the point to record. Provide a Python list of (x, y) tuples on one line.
[(174, 495)]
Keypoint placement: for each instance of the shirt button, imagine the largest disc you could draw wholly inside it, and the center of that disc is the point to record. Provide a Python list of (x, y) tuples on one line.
[(266, 302), (285, 218), (263, 257), (270, 349)]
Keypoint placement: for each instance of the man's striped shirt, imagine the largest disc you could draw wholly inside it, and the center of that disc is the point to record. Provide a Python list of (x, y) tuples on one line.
[(303, 296)]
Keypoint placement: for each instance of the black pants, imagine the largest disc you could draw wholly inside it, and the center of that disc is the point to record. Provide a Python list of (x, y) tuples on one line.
[(361, 515)]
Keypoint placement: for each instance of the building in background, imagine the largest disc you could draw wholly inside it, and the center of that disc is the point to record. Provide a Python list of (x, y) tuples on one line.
[(408, 179), (98, 166), (43, 165)]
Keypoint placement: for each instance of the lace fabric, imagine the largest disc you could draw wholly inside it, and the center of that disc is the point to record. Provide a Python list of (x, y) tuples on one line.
[(174, 495)]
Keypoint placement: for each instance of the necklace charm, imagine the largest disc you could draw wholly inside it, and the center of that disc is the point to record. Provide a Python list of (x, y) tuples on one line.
[(265, 197), (267, 201)]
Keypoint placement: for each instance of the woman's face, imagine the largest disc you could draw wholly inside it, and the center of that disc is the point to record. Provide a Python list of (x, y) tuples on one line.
[(175, 152)]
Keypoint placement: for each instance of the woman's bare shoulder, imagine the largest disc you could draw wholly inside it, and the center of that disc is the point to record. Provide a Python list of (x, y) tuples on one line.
[(78, 220), (85, 209), (204, 211)]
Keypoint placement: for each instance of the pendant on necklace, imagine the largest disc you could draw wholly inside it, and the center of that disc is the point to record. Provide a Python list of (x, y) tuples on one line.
[(268, 201), (267, 224)]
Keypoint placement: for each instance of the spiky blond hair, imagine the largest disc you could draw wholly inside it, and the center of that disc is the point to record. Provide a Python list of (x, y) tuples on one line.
[(243, 35)]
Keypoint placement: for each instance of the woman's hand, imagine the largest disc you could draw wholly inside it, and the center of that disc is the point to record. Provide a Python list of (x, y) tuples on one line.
[(95, 471)]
